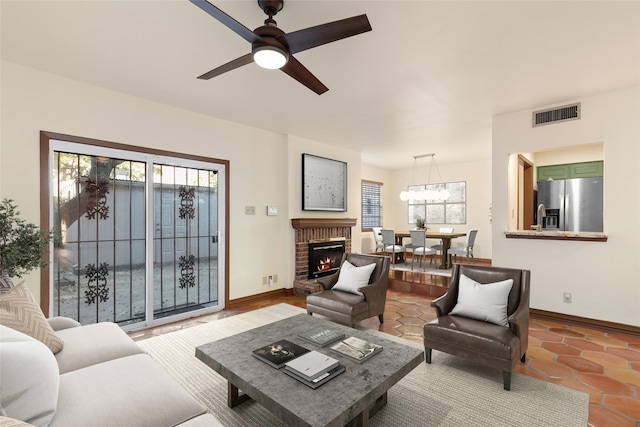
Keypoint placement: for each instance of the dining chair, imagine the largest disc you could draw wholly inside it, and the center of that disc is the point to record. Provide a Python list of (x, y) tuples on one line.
[(438, 247), (390, 246), (466, 250), (378, 238), (419, 247)]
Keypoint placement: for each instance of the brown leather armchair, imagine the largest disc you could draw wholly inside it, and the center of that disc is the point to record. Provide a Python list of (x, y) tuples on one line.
[(349, 308), (486, 343)]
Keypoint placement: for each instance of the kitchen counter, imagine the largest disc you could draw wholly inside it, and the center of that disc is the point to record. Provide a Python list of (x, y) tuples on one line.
[(586, 236)]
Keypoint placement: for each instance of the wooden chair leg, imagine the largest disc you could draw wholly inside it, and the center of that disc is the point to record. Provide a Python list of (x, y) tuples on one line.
[(381, 318), (523, 358), (427, 355)]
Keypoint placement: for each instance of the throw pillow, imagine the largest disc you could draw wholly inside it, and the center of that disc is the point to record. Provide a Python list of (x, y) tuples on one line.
[(351, 277), (30, 379), (19, 311), (486, 302), (5, 283)]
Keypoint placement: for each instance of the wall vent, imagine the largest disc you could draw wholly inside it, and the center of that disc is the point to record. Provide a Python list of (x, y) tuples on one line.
[(555, 115)]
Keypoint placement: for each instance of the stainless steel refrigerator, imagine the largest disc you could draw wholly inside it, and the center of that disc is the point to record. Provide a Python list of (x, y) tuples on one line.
[(574, 204)]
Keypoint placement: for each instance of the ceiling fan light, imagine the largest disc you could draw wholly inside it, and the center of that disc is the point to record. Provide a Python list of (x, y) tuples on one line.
[(270, 57)]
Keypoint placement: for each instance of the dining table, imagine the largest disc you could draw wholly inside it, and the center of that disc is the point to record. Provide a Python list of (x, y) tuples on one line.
[(446, 243)]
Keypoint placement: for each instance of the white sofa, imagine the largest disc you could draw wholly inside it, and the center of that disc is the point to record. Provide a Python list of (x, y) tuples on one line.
[(101, 377)]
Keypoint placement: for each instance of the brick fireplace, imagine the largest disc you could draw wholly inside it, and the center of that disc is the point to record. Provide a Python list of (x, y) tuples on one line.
[(317, 229)]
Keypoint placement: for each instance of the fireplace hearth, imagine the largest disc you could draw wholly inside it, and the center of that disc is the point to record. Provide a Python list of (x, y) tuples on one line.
[(325, 256)]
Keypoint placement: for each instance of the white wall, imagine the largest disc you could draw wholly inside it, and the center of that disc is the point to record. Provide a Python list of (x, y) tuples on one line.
[(296, 147), (601, 276), (476, 174), (582, 153), (33, 101)]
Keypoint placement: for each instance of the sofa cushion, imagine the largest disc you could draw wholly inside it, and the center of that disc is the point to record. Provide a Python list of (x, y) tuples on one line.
[(30, 378), (131, 391), (351, 277), (92, 344), (19, 311), (486, 302), (12, 422), (204, 420)]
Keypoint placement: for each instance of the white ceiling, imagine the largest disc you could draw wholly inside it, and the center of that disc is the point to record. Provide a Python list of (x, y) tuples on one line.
[(428, 78)]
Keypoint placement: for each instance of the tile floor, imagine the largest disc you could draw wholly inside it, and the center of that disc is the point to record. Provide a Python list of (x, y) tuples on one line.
[(607, 366)]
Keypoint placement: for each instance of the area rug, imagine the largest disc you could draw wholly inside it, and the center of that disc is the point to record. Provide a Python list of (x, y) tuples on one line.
[(448, 392)]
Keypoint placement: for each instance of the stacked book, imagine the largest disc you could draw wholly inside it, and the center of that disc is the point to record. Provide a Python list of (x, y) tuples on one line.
[(356, 349), (313, 368), (278, 353), (321, 336)]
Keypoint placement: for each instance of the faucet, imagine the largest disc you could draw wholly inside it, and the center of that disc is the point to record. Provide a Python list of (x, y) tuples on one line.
[(542, 212)]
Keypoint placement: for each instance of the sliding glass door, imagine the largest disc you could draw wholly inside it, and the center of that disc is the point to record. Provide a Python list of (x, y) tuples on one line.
[(137, 236)]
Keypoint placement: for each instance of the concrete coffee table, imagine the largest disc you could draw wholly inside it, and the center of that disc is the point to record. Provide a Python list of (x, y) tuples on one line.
[(355, 395)]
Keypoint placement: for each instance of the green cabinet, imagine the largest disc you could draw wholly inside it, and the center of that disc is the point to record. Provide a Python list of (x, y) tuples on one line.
[(571, 170), (586, 170), (553, 172)]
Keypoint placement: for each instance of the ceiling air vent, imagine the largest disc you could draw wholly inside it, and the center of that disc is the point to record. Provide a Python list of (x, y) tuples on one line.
[(554, 115)]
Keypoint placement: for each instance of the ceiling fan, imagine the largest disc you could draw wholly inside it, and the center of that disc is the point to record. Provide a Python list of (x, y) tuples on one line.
[(273, 48)]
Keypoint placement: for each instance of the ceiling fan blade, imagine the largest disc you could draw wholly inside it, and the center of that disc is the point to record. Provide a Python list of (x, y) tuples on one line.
[(326, 33), (236, 63), (298, 71), (228, 21)]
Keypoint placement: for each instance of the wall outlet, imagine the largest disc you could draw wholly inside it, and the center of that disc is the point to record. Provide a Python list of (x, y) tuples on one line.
[(275, 278), (567, 297), (249, 210), (265, 280)]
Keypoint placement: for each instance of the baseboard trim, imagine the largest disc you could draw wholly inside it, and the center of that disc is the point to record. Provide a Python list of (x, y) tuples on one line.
[(600, 325), (238, 302)]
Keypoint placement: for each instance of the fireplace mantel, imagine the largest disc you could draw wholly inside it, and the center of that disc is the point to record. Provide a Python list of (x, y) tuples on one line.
[(298, 223)]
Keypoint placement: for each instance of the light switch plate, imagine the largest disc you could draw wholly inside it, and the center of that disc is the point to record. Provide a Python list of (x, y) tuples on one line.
[(272, 210)]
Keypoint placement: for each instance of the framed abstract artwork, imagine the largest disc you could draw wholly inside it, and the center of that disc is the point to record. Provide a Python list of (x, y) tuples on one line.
[(324, 184)]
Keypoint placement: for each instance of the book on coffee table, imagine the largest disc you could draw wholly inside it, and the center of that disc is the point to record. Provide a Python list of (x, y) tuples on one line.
[(327, 376), (356, 349), (311, 365), (321, 336), (278, 353)]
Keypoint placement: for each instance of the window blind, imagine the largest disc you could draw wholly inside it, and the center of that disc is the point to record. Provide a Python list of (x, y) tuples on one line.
[(371, 204)]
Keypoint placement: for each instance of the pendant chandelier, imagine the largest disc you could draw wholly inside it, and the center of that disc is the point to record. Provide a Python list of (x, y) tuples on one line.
[(434, 191)]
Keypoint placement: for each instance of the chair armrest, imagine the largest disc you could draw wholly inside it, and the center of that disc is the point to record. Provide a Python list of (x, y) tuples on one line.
[(446, 302), (374, 292), (328, 282), (60, 323), (520, 317)]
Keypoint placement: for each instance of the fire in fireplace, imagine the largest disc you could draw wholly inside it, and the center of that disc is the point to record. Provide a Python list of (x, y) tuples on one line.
[(325, 257)]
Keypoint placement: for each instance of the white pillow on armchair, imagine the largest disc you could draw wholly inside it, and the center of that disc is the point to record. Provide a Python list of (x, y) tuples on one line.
[(351, 277), (486, 302)]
